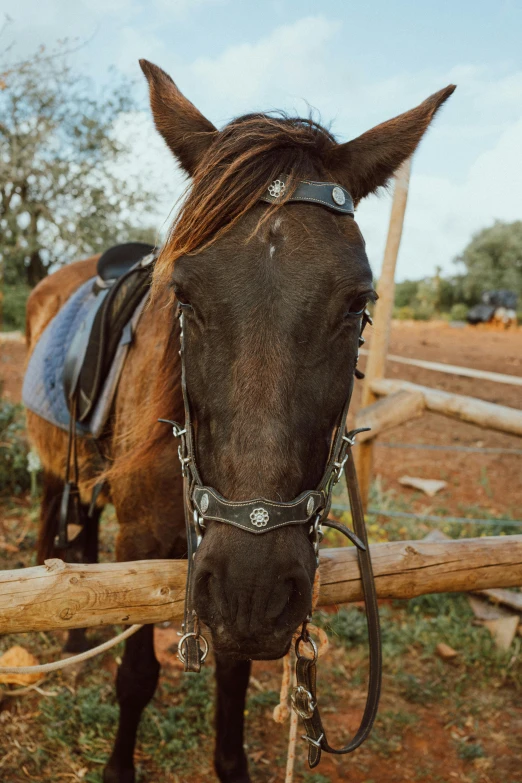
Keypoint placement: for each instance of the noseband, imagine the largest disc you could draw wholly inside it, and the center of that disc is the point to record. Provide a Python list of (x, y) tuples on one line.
[(260, 516)]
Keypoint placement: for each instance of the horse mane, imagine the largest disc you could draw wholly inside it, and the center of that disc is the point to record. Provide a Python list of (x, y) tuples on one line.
[(247, 155)]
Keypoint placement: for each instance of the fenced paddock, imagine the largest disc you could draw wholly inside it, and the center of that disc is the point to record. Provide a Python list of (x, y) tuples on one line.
[(80, 713)]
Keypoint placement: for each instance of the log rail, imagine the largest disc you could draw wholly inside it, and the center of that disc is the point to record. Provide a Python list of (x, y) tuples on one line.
[(58, 595)]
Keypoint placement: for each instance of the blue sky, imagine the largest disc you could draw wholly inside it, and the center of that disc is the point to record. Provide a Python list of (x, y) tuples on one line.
[(357, 63)]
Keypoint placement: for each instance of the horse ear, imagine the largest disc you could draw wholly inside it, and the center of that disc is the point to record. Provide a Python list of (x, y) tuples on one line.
[(367, 162), (187, 132)]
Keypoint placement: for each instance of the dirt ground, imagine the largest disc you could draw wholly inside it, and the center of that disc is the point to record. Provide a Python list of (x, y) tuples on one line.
[(439, 722), (491, 482)]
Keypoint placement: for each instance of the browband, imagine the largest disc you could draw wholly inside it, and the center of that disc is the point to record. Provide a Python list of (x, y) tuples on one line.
[(328, 194)]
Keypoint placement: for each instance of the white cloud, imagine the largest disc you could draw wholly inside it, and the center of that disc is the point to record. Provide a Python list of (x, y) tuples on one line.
[(442, 214), (149, 163), (276, 70)]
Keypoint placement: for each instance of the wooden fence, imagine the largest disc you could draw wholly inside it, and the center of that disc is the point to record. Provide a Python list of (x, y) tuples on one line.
[(407, 400), (61, 595)]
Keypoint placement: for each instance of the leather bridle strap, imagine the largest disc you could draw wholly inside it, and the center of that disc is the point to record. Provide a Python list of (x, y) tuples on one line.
[(305, 695), (326, 194), (190, 651)]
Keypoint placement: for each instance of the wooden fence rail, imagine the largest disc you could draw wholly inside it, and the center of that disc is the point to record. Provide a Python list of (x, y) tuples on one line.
[(485, 414), (59, 595), (453, 369)]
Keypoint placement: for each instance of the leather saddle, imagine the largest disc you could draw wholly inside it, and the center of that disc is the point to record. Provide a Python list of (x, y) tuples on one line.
[(124, 276)]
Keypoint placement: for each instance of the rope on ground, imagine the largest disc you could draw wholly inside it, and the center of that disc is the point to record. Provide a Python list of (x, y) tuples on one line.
[(433, 518), (282, 710), (43, 668), (439, 447)]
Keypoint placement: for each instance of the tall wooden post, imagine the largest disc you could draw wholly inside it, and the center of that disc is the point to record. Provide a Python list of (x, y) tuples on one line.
[(376, 363)]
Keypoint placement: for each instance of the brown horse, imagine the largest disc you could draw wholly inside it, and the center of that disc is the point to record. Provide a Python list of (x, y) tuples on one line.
[(269, 294)]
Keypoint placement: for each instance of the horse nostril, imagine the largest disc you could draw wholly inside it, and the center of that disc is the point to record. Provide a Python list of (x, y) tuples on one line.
[(291, 605), (210, 596)]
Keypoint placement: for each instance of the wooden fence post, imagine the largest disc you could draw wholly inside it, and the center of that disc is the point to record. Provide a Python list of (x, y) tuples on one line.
[(376, 363)]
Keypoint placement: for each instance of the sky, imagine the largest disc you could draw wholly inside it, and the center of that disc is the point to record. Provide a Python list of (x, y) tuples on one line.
[(355, 63)]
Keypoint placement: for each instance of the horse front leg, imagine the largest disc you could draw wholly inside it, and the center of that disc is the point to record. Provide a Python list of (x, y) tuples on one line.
[(135, 685), (232, 682)]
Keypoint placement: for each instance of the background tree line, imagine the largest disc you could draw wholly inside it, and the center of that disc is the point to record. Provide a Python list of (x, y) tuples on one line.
[(62, 196), (491, 261)]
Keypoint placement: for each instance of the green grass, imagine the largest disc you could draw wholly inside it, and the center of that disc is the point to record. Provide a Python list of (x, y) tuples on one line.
[(421, 624), (386, 736), (178, 720)]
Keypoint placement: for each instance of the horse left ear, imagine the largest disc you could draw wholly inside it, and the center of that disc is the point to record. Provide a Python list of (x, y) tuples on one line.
[(367, 162), (187, 132)]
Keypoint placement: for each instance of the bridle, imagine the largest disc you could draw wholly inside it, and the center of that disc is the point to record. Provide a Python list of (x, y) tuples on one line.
[(260, 516)]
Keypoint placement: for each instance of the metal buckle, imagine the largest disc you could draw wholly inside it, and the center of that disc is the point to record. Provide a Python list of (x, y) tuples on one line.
[(199, 526), (307, 710), (311, 741), (180, 432), (316, 535), (339, 466), (181, 654)]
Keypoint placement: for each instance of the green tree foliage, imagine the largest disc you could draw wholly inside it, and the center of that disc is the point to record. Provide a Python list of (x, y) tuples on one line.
[(60, 195), (493, 259)]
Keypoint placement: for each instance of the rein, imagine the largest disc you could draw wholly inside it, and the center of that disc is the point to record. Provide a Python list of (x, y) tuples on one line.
[(259, 516)]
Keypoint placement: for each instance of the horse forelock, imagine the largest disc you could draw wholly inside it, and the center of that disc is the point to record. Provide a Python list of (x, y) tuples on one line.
[(246, 156)]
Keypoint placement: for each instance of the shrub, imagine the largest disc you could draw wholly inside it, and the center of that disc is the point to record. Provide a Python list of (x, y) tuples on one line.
[(459, 312), (14, 476), (15, 297), (404, 313)]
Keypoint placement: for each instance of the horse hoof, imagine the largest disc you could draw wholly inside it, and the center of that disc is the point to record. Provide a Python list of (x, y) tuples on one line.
[(117, 775)]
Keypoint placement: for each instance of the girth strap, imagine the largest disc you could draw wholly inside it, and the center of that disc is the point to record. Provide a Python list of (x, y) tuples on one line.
[(305, 695)]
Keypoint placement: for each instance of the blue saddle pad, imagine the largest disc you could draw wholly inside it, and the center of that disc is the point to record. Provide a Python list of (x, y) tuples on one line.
[(43, 391)]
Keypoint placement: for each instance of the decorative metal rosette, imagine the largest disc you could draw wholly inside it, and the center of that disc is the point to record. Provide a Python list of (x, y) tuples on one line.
[(338, 196), (259, 517), (276, 188)]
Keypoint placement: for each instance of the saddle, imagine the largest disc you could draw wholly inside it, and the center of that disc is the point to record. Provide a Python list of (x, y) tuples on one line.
[(124, 274)]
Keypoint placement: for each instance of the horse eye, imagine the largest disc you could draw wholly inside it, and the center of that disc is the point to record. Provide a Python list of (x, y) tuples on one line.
[(357, 306), (180, 296)]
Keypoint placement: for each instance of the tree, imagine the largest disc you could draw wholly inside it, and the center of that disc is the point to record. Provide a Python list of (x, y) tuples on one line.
[(493, 260), (60, 195)]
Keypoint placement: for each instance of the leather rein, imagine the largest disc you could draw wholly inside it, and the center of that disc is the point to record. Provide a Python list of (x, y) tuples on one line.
[(259, 516)]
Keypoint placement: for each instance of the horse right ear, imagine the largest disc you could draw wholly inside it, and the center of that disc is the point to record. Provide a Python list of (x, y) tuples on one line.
[(187, 132)]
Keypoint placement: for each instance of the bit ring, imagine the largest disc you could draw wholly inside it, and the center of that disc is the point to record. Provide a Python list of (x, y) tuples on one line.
[(181, 654)]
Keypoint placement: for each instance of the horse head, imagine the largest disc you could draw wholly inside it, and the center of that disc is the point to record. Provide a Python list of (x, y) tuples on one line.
[(271, 294)]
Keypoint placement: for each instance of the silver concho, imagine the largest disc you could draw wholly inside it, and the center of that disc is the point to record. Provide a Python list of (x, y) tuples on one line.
[(259, 517), (276, 188), (205, 500), (338, 196), (310, 506)]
